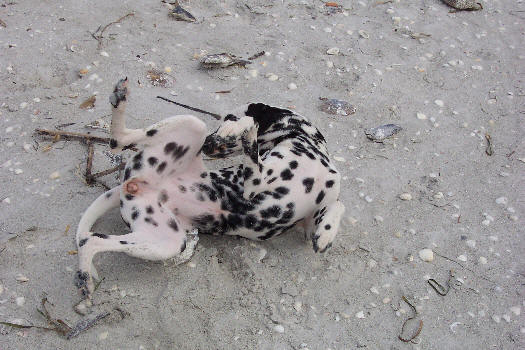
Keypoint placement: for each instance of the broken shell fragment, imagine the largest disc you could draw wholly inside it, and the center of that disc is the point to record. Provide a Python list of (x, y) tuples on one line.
[(222, 60), (180, 14), (89, 103), (334, 106), (382, 132), (159, 78), (468, 5)]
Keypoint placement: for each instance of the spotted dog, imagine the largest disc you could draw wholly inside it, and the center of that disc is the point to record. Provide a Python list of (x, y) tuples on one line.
[(286, 178)]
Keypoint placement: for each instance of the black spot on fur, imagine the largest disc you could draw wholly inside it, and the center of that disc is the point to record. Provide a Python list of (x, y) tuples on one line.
[(129, 197), (248, 172), (113, 143), (137, 166), (169, 147), (327, 227), (121, 203), (276, 154), (173, 224), (135, 214), (151, 132), (231, 117), (137, 157), (272, 180), (269, 172), (149, 209), (163, 196), (100, 235), (250, 221), (329, 183), (320, 197), (282, 190), (123, 242), (182, 188), (82, 242), (151, 221), (293, 164), (130, 146), (212, 194), (179, 152), (153, 161), (256, 181), (308, 184), (161, 167), (204, 174), (273, 211), (127, 174), (286, 175), (332, 171), (108, 194)]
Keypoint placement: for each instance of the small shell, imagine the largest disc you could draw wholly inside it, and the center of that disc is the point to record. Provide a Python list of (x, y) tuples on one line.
[(470, 5), (180, 14), (222, 60), (334, 106), (426, 255), (382, 132)]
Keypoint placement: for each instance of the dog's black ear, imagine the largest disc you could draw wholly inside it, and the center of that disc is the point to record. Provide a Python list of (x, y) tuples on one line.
[(231, 117), (265, 115)]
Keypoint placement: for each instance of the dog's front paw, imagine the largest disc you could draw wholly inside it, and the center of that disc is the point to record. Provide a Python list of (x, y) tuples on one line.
[(235, 127), (119, 93)]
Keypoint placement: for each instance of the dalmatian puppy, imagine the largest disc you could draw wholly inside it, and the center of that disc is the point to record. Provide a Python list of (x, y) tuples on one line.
[(286, 178)]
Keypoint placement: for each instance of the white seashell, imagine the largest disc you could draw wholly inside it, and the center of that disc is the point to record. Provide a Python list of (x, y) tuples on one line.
[(405, 196), (426, 255)]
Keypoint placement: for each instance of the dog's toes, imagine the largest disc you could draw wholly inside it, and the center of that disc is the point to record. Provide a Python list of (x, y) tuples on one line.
[(321, 243)]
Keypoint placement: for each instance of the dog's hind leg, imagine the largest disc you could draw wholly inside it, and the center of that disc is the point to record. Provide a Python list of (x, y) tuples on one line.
[(101, 205), (166, 240)]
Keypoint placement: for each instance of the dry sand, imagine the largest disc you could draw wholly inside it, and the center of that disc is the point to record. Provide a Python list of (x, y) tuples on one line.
[(446, 89)]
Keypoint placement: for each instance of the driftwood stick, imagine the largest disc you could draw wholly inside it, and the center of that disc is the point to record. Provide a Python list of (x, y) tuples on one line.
[(72, 135), (89, 165), (97, 35), (214, 115), (108, 171)]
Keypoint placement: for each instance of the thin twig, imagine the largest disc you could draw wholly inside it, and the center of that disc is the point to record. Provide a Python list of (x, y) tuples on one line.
[(108, 171), (58, 325), (85, 325), (98, 37), (89, 165), (489, 150), (72, 135), (418, 331), (257, 55), (216, 116), (466, 268), (438, 287)]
